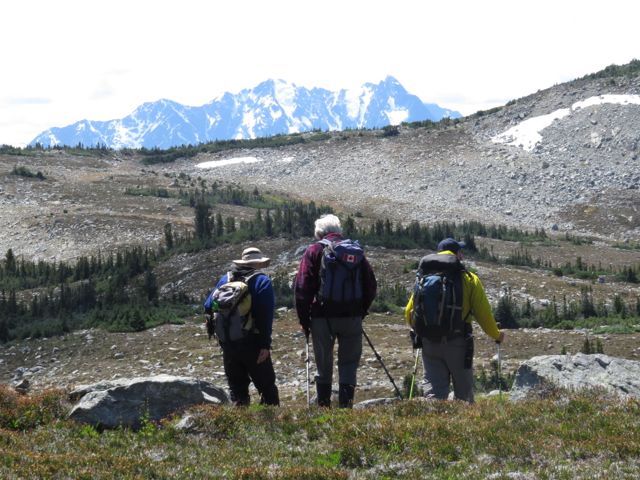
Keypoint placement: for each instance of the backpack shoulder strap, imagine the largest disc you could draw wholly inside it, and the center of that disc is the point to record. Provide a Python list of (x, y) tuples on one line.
[(245, 278), (326, 243)]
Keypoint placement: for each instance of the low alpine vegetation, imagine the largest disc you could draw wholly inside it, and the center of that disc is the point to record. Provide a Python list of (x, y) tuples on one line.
[(568, 436), (23, 171)]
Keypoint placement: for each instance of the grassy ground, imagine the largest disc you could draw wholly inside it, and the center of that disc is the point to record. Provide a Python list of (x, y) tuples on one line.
[(586, 436)]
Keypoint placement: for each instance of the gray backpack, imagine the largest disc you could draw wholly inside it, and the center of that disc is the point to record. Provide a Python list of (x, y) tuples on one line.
[(231, 305)]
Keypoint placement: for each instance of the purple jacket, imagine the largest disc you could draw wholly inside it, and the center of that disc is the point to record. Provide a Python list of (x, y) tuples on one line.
[(307, 283)]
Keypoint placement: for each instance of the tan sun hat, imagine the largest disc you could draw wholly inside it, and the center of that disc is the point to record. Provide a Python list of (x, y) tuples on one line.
[(254, 257)]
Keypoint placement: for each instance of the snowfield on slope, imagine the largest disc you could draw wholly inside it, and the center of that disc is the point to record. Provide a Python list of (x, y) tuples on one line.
[(527, 134)]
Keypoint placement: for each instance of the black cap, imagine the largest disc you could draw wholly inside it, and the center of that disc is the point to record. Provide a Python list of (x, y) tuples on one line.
[(451, 245)]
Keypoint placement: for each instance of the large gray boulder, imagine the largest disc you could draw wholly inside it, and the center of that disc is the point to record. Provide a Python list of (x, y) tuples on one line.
[(577, 372), (125, 402)]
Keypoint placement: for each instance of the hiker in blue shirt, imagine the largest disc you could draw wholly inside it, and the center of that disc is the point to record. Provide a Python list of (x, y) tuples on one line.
[(244, 329)]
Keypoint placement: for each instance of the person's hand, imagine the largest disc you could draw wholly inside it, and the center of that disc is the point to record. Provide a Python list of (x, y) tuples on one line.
[(263, 354), (210, 325), (501, 337), (416, 340)]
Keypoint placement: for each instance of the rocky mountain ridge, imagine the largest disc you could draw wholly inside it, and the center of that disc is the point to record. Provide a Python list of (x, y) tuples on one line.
[(273, 107)]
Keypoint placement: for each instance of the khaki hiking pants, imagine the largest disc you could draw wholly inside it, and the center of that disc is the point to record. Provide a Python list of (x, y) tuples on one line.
[(444, 364), (348, 332)]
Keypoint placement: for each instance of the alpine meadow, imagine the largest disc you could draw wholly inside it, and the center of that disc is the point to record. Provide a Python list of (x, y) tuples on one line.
[(109, 251)]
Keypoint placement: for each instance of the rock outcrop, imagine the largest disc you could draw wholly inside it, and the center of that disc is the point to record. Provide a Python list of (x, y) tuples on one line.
[(577, 372), (126, 402)]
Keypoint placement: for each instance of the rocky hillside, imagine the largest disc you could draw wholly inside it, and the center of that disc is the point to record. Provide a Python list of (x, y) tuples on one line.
[(581, 177)]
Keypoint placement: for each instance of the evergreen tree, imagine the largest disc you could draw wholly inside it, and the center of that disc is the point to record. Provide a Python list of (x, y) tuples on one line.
[(619, 307), (587, 309), (219, 225), (230, 225), (10, 262), (505, 312), (150, 286), (4, 329), (168, 236), (136, 322), (202, 220), (349, 227), (388, 230), (268, 224)]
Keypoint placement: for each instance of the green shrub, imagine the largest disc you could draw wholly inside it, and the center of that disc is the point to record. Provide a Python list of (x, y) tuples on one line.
[(25, 172), (21, 412)]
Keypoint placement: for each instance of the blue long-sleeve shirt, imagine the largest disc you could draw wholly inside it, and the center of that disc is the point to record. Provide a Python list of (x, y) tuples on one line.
[(262, 305)]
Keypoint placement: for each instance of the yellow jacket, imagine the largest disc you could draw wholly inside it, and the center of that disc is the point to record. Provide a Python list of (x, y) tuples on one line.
[(474, 304)]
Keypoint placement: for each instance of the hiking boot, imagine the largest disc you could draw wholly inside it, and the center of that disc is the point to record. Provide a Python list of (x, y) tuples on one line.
[(240, 402), (270, 396), (324, 394), (345, 395)]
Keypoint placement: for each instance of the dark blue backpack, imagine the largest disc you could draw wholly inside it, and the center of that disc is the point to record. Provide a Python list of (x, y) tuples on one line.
[(437, 298), (340, 292)]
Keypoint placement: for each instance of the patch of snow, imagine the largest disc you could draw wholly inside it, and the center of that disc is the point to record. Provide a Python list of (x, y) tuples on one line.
[(286, 96), (212, 120), (599, 100), (124, 137), (53, 140), (365, 100), (228, 161), (357, 101), (527, 134), (286, 160), (396, 115), (249, 121)]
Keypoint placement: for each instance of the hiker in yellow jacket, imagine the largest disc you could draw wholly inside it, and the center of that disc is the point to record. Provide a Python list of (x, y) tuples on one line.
[(447, 352)]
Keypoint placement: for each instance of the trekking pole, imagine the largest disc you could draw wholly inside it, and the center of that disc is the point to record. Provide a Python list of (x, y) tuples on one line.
[(398, 394), (307, 362), (498, 354), (499, 369), (415, 371)]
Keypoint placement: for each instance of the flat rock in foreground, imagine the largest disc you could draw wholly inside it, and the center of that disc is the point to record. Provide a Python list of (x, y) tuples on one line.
[(577, 372), (126, 402)]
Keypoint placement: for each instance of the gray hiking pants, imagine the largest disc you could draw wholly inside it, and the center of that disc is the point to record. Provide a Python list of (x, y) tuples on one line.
[(348, 331), (443, 363)]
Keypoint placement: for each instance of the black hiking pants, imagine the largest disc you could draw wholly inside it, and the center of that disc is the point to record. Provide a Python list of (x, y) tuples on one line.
[(241, 369)]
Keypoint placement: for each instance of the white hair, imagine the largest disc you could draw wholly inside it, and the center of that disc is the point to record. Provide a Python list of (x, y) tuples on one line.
[(327, 223)]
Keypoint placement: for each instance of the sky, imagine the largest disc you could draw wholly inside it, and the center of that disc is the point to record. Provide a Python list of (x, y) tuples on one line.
[(69, 60)]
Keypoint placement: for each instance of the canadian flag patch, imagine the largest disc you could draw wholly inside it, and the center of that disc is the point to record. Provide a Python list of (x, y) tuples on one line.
[(349, 258)]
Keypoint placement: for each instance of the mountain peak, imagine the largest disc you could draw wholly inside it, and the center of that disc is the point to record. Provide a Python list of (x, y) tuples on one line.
[(390, 80), (272, 107)]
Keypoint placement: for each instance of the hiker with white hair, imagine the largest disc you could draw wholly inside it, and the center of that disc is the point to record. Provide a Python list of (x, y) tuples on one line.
[(334, 288), (240, 313)]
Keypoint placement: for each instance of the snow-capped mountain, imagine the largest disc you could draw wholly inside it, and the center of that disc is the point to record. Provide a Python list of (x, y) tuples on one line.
[(273, 107)]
